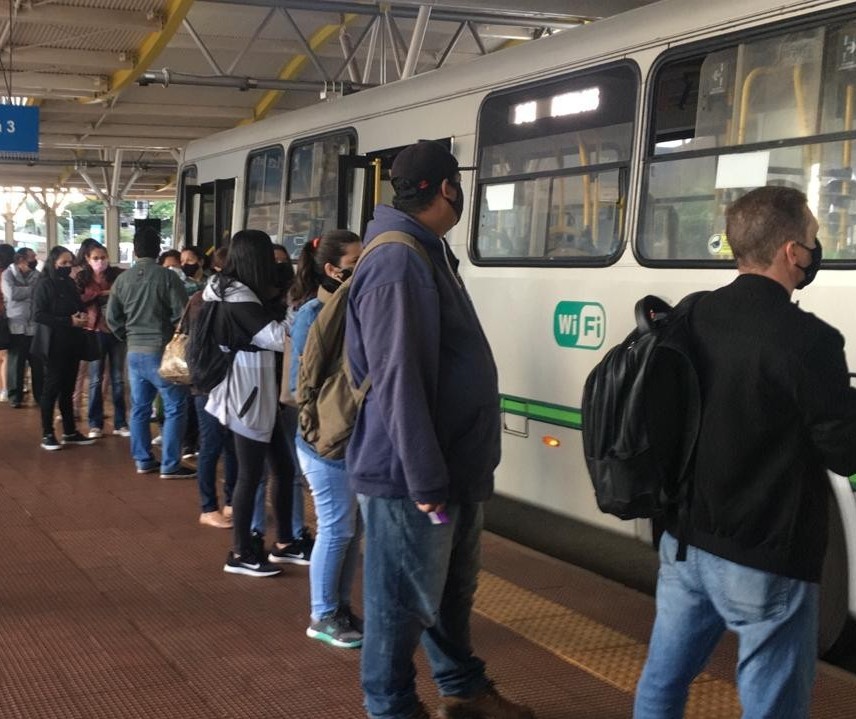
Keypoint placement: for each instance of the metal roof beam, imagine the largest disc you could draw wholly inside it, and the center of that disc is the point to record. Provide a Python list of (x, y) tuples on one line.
[(98, 142), (518, 19), (201, 45), (252, 42), (167, 77), (67, 16), (152, 131), (307, 48), (203, 113)]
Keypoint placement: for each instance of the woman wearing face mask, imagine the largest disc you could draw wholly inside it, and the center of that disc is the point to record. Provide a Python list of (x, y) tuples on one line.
[(59, 340), (94, 280), (193, 268), (324, 264)]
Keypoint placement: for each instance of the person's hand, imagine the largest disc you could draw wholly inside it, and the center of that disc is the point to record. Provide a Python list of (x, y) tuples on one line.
[(79, 320), (431, 507)]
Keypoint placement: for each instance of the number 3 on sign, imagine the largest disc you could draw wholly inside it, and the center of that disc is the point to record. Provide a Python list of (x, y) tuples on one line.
[(8, 127)]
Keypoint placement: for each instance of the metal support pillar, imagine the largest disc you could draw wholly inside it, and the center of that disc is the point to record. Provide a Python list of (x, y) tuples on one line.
[(367, 70), (111, 231), (9, 218), (51, 233)]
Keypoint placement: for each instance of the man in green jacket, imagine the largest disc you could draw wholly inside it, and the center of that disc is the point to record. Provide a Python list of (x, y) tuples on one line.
[(145, 304)]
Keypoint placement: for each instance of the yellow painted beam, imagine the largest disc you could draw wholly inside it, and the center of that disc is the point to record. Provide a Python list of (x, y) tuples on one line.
[(294, 67), (152, 46)]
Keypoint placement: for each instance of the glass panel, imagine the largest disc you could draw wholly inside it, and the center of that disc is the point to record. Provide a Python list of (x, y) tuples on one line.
[(683, 216), (551, 218), (559, 143), (567, 151), (264, 191), (313, 185), (754, 92)]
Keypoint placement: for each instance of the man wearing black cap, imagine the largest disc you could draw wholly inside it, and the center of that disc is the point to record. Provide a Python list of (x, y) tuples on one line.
[(423, 450)]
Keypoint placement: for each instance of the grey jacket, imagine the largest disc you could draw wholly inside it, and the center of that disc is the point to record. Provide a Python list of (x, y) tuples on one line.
[(18, 296), (145, 304)]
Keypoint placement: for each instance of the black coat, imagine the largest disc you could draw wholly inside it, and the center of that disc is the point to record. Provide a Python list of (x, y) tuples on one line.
[(777, 410), (55, 300)]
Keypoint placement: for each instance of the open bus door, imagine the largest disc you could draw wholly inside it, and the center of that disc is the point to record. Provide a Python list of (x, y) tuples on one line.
[(375, 167), (208, 214)]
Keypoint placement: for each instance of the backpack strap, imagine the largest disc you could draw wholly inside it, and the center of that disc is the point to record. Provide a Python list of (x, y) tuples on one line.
[(384, 238), (400, 238)]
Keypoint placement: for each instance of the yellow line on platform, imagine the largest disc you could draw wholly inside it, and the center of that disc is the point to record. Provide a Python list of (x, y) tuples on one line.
[(608, 655)]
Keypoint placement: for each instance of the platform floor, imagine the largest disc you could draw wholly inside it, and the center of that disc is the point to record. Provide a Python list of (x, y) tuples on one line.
[(113, 605)]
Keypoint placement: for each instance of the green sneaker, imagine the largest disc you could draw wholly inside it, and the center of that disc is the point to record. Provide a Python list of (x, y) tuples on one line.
[(335, 629)]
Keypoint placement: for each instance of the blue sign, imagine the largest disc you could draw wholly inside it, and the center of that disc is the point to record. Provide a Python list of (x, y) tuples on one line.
[(19, 130)]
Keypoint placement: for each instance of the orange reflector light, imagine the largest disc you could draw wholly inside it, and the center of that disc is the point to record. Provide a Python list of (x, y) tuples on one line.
[(550, 441)]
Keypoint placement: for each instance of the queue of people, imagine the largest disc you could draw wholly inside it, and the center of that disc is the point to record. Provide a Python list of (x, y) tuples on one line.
[(426, 439)]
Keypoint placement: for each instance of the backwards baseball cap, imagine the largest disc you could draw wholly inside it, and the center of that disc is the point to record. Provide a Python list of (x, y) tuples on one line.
[(421, 167)]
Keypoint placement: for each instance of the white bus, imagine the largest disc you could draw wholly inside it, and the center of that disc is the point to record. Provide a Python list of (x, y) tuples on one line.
[(604, 159)]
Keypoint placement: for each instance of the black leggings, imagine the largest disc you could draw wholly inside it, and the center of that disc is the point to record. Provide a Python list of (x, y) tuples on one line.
[(251, 466), (60, 377)]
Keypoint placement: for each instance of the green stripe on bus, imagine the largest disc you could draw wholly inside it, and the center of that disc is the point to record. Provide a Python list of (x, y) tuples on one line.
[(542, 411)]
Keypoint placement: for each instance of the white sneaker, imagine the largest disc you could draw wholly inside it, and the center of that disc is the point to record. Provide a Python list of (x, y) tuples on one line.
[(95, 433), (4, 395), (124, 432), (157, 441)]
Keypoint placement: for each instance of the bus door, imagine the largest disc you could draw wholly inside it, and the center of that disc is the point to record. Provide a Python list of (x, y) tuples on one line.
[(375, 167), (208, 214)]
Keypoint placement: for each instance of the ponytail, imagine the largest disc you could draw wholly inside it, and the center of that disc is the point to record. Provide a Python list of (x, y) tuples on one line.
[(314, 255)]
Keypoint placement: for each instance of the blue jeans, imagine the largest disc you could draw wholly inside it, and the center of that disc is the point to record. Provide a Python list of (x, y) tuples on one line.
[(337, 544), (774, 617), (114, 351), (298, 518), (145, 384), (418, 584), (214, 440)]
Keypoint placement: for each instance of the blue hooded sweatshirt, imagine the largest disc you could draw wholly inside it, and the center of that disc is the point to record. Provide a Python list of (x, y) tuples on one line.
[(429, 427)]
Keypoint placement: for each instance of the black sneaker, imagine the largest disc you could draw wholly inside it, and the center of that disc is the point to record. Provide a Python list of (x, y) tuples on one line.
[(77, 438), (344, 610), (249, 566), (295, 552), (49, 442), (179, 473), (335, 630), (257, 542)]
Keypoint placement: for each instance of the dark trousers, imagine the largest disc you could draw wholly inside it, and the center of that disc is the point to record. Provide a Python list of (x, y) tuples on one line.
[(251, 466), (60, 377), (16, 363)]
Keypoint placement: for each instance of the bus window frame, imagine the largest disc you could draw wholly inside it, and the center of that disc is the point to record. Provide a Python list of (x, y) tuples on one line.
[(707, 46), (246, 208), (350, 131), (181, 201), (625, 170)]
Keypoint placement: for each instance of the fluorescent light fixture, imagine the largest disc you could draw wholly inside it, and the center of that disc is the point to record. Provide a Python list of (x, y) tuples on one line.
[(500, 197), (573, 103), (525, 112)]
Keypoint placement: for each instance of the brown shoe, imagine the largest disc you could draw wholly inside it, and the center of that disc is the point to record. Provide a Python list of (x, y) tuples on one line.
[(489, 704), (215, 519)]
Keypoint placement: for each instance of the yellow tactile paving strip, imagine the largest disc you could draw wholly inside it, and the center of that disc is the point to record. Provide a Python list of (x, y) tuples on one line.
[(611, 656)]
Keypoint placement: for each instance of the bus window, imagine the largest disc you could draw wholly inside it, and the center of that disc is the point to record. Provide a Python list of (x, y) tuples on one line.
[(313, 177), (552, 169), (264, 191), (767, 112)]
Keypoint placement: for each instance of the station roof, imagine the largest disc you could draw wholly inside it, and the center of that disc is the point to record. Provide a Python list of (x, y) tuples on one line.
[(127, 83)]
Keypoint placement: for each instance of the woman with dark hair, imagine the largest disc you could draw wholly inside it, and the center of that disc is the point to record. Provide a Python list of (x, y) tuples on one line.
[(94, 280), (59, 341), (324, 264), (193, 268), (248, 325)]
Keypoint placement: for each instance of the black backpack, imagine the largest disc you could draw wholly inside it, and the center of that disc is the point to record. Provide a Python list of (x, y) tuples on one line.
[(208, 364), (641, 413)]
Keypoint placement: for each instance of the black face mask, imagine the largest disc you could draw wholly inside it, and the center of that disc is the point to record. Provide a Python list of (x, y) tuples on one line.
[(810, 270), (331, 284), (458, 203), (63, 272), (32, 264), (190, 269)]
